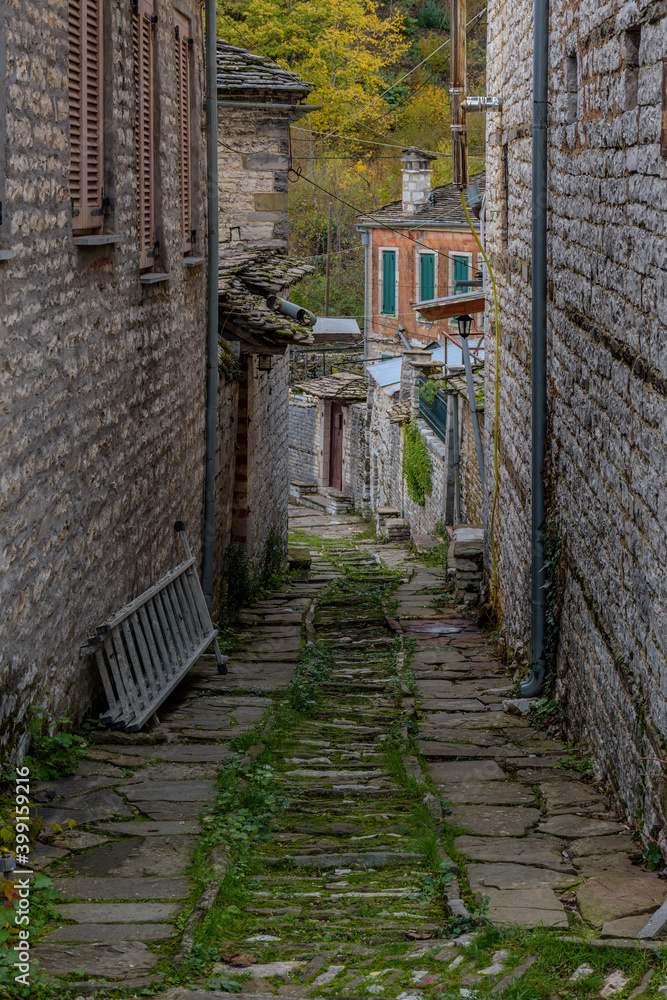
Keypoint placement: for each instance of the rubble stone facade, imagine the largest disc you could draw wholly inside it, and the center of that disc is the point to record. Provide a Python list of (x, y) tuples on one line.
[(607, 367), (102, 378)]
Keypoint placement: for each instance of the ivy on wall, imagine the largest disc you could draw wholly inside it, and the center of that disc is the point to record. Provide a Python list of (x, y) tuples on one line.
[(417, 466)]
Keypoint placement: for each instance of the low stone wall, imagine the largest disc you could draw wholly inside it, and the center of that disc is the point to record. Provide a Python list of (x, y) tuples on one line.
[(472, 500), (304, 438)]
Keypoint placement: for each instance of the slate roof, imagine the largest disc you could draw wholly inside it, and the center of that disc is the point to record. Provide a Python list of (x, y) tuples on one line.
[(445, 206), (245, 279), (243, 72), (343, 385)]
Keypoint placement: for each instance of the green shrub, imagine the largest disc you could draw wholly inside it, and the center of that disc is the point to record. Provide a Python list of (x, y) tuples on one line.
[(417, 465)]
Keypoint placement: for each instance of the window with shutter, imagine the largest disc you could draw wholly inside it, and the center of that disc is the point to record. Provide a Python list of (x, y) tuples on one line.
[(389, 282), (143, 42), (183, 44), (86, 114), (461, 271), (427, 276)]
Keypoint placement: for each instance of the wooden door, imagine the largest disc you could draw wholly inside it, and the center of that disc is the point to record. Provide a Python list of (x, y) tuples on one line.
[(336, 450)]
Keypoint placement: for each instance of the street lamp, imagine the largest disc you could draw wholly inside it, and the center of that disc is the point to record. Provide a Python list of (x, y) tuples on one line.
[(465, 323)]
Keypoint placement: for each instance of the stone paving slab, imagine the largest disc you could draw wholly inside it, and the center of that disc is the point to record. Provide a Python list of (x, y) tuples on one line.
[(526, 907), (118, 913), (501, 821), (121, 888), (109, 933), (514, 876), (148, 828), (545, 853), (570, 825), (487, 793), (620, 895), (485, 770), (170, 791), (116, 961), (137, 856)]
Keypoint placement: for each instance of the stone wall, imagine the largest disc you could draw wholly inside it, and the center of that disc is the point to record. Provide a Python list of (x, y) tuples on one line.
[(225, 474), (386, 483), (355, 456), (253, 156), (304, 438), (268, 462), (103, 378), (471, 483), (607, 366)]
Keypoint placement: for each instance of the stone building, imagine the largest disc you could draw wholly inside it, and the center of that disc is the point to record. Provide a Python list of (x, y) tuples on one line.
[(257, 102), (102, 310), (607, 368), (415, 249), (327, 439)]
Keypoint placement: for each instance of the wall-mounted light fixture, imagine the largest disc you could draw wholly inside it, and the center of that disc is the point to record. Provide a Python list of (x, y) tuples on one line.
[(264, 362)]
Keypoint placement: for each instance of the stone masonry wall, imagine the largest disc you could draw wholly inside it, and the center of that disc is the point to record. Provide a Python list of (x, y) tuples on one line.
[(607, 366), (225, 473), (304, 438), (387, 485), (253, 155), (102, 378), (355, 473), (471, 483), (268, 463)]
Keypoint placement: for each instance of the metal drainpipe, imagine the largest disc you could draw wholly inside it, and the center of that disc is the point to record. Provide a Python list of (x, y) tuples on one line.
[(533, 685), (366, 243), (212, 317)]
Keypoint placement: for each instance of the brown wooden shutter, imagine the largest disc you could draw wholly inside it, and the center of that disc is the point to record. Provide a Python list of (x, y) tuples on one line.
[(145, 129), (183, 49), (86, 113)]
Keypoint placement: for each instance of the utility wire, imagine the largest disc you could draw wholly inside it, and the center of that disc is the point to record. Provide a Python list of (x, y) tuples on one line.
[(365, 215), (405, 76)]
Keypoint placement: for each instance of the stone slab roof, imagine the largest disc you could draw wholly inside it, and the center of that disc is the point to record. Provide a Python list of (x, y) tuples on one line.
[(342, 385), (445, 207), (245, 279), (241, 72)]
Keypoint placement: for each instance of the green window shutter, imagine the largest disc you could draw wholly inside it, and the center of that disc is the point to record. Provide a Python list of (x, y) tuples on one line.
[(389, 281), (427, 276), (461, 271)]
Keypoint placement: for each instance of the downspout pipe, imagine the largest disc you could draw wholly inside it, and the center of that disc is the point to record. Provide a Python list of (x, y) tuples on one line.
[(532, 687), (212, 300)]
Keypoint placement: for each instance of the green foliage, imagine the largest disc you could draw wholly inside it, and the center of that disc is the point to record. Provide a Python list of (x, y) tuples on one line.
[(417, 465), (242, 586), (577, 762), (229, 366), (43, 911), (652, 857), (431, 15), (52, 755)]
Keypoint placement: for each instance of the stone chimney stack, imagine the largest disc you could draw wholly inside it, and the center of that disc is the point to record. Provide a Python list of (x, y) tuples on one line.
[(416, 179)]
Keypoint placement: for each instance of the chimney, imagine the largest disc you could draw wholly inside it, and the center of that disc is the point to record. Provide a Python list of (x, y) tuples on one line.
[(416, 179)]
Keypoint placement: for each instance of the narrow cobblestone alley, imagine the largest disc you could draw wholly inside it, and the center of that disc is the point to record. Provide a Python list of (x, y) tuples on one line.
[(397, 816)]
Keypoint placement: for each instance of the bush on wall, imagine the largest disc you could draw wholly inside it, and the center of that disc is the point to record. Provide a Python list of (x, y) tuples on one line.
[(417, 465)]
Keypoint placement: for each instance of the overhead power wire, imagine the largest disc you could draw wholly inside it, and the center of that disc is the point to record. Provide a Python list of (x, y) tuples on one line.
[(405, 75), (365, 215)]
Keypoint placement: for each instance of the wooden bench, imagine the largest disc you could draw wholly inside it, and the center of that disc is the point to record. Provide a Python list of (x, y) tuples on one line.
[(146, 649)]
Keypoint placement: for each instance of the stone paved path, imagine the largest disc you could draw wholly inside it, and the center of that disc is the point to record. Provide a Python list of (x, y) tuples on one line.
[(347, 897)]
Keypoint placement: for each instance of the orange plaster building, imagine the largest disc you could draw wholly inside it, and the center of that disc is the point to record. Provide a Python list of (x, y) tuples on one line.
[(416, 249)]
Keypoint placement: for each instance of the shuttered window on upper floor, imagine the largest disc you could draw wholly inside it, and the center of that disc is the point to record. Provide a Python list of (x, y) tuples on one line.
[(144, 57), (183, 52), (426, 276), (86, 113), (389, 282)]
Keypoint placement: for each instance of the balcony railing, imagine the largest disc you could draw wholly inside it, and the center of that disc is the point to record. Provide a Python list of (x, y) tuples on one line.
[(433, 407)]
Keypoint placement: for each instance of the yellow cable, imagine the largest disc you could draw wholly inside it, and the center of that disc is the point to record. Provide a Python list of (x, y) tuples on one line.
[(496, 426)]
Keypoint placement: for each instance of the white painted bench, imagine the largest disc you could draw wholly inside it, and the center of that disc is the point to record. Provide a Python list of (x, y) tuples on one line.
[(146, 649)]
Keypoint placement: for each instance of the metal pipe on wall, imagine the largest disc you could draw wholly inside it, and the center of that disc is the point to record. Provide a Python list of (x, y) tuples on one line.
[(212, 301), (457, 95), (533, 685)]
